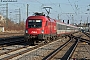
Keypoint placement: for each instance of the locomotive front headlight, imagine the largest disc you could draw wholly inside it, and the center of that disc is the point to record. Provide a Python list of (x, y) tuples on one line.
[(42, 31), (26, 31)]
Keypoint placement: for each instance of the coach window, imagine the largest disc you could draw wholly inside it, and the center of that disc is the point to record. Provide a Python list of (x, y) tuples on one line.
[(61, 27), (58, 27)]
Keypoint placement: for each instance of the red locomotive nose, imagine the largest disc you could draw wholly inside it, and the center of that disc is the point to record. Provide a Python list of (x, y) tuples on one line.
[(34, 31)]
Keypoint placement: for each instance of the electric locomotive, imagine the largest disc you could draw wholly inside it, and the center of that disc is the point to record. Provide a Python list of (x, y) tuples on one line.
[(40, 27)]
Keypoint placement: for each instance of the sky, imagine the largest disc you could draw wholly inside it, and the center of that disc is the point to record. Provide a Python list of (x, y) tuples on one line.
[(73, 10)]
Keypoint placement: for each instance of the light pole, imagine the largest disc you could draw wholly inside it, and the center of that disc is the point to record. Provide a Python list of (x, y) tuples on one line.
[(88, 16), (19, 14), (10, 15), (27, 9)]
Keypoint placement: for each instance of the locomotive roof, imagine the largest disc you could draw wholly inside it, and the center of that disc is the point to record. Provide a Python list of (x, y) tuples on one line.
[(36, 17), (41, 17)]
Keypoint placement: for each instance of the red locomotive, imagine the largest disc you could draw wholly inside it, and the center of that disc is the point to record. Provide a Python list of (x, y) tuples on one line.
[(43, 28)]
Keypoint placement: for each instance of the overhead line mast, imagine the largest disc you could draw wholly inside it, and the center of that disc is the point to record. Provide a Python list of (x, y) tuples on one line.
[(7, 14)]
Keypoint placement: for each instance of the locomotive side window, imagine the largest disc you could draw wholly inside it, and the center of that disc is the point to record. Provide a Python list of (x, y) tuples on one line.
[(46, 23), (34, 23)]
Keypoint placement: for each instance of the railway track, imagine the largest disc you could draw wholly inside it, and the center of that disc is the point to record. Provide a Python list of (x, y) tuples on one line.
[(41, 50), (20, 51), (5, 42), (11, 40), (82, 39), (58, 52), (81, 52), (69, 53), (15, 52), (87, 34)]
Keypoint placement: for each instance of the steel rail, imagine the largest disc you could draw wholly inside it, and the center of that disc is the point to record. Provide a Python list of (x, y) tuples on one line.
[(48, 57), (81, 39), (88, 41), (70, 51), (12, 50), (87, 34)]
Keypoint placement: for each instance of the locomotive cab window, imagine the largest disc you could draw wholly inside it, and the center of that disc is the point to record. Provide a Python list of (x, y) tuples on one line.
[(34, 23)]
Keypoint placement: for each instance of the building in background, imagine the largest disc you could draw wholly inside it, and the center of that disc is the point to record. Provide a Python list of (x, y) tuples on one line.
[(2, 22), (1, 28), (2, 19)]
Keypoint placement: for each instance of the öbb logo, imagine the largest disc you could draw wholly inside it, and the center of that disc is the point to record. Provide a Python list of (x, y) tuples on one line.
[(34, 32)]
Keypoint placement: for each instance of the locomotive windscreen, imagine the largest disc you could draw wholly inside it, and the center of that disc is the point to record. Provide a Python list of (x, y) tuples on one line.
[(34, 23)]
